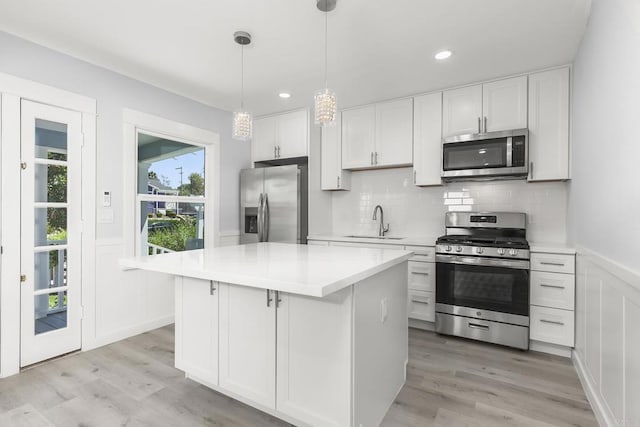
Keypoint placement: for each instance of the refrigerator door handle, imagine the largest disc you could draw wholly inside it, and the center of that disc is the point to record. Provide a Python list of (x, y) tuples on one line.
[(265, 218), (260, 210)]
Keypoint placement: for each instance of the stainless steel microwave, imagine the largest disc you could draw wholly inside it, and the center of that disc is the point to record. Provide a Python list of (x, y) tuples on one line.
[(485, 156)]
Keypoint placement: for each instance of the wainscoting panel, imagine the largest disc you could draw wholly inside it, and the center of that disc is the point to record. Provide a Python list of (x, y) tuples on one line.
[(607, 353)]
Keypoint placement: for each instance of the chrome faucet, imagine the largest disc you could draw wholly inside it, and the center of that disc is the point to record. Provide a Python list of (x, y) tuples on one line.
[(382, 228)]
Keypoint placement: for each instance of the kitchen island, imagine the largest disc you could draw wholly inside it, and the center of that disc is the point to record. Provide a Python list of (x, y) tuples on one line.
[(312, 335)]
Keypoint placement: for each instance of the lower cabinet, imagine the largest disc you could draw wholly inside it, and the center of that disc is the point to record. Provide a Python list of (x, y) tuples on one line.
[(422, 305), (248, 343), (197, 328)]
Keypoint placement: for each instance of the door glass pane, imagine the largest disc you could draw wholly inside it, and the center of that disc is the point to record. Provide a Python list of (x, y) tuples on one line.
[(50, 269), (171, 226), (491, 153), (50, 183), (50, 312), (50, 226), (167, 167), (51, 140)]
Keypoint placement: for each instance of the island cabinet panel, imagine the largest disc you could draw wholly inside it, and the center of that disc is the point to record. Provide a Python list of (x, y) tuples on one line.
[(248, 343), (197, 328), (314, 333)]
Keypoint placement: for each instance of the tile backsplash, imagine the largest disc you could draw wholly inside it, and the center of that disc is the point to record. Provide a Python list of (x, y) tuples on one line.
[(419, 211)]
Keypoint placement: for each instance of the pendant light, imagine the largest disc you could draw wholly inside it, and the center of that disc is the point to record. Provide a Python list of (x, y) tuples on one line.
[(242, 119), (325, 102)]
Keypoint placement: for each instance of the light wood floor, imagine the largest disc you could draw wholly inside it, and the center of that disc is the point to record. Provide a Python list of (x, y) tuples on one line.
[(450, 382)]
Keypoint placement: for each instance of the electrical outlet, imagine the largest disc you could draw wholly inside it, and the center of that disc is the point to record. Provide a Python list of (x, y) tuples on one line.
[(383, 310)]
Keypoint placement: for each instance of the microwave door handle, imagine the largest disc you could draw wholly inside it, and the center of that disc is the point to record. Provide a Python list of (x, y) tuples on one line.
[(509, 152)]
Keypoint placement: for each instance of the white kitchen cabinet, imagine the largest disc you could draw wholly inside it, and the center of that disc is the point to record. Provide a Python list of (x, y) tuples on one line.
[(379, 135), (394, 133), (504, 104), (358, 137), (427, 139), (304, 392), (555, 290), (554, 263), (422, 276), (490, 107), (248, 343), (552, 325), (281, 136), (422, 305), (197, 328), (549, 125), (332, 175), (462, 111)]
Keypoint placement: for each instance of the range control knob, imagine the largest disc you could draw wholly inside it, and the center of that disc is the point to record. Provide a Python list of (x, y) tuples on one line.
[(448, 248), (513, 252), (500, 251), (479, 250), (458, 248)]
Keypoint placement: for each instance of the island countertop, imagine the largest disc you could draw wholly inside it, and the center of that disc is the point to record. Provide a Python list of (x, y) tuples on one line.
[(308, 270)]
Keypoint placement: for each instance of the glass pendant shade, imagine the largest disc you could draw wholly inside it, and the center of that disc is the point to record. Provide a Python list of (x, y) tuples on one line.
[(326, 107), (242, 125)]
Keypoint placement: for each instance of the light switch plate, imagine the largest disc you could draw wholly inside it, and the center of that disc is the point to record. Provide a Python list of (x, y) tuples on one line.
[(106, 199)]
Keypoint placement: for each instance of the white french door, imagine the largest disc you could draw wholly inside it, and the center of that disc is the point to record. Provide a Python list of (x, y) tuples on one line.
[(50, 226)]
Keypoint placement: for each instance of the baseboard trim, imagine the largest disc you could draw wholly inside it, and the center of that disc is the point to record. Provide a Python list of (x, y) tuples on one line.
[(422, 324), (599, 407), (128, 332), (557, 350)]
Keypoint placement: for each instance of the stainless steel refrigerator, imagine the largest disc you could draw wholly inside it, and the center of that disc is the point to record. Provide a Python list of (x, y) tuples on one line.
[(273, 204)]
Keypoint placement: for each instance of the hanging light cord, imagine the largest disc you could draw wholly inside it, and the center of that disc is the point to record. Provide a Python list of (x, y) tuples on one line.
[(325, 50), (242, 77)]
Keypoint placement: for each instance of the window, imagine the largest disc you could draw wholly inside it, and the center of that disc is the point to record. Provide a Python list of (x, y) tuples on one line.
[(171, 194)]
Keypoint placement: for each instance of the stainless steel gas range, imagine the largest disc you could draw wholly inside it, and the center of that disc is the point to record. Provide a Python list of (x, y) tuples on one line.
[(482, 278)]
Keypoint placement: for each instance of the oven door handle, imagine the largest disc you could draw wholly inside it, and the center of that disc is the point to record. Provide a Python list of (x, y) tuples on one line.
[(490, 262)]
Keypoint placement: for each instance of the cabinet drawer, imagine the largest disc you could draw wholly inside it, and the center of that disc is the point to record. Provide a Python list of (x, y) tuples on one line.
[(317, 243), (422, 253), (552, 325), (367, 245), (422, 305), (555, 263), (422, 276), (554, 290)]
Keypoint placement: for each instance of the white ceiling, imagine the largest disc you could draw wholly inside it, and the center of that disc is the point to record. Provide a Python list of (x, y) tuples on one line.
[(377, 49)]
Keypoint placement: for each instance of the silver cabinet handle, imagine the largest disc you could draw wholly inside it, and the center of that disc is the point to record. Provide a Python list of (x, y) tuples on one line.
[(275, 152), (376, 158), (278, 299), (554, 322), (544, 285), (338, 182), (531, 170), (485, 124), (421, 300), (478, 326), (372, 158), (414, 176), (557, 264), (212, 287), (278, 151), (479, 125), (269, 299)]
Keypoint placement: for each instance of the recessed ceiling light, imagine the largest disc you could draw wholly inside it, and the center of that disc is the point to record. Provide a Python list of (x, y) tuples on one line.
[(442, 55), (284, 95)]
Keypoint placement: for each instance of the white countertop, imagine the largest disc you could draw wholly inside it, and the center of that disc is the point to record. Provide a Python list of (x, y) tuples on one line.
[(299, 269), (411, 241), (554, 248)]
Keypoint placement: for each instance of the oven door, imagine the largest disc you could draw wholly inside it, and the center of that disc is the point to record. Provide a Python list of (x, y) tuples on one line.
[(479, 283)]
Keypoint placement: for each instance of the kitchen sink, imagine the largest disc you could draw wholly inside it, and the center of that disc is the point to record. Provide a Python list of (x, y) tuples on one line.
[(375, 237)]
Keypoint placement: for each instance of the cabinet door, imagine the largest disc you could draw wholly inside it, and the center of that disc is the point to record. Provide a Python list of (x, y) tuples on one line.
[(333, 176), (462, 111), (504, 104), (263, 142), (248, 343), (197, 328), (292, 134), (427, 139), (394, 133), (422, 305), (358, 137), (312, 330), (549, 125)]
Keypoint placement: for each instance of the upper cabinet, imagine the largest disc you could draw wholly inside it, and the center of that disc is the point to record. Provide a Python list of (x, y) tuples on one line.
[(281, 136), (379, 135), (427, 139), (489, 107), (549, 125), (333, 176)]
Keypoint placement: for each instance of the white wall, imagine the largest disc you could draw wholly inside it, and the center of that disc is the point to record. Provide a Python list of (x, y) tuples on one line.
[(126, 302), (419, 211), (604, 202)]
